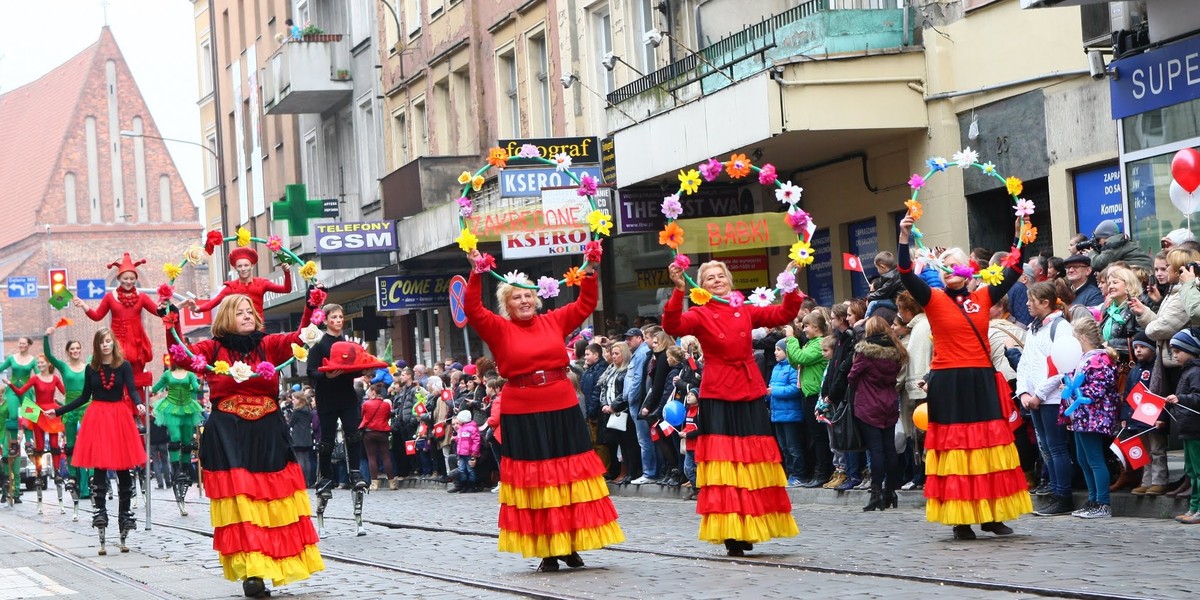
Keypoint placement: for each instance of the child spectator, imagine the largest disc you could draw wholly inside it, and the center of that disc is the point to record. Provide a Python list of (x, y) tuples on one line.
[(787, 412), (467, 449), (1091, 413), (376, 428), (1154, 475), (689, 433), (1185, 345), (886, 285)]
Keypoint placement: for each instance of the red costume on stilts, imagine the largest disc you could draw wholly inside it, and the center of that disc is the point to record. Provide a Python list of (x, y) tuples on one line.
[(126, 306), (255, 288)]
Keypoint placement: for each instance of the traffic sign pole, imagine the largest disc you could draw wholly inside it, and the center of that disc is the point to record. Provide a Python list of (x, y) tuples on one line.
[(458, 312)]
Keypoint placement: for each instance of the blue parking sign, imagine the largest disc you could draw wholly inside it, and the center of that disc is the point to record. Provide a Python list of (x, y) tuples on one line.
[(22, 287)]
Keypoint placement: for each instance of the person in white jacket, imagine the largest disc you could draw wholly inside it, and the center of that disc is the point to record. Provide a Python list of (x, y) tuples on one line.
[(1038, 389)]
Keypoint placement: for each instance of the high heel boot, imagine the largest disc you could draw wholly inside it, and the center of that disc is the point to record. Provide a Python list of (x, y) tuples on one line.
[(876, 502), (890, 499)]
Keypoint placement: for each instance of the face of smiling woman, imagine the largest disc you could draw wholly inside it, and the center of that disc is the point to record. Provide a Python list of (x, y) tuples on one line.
[(521, 304), (715, 281)]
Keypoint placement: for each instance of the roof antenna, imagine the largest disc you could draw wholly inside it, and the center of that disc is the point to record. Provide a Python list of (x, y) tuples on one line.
[(104, 7)]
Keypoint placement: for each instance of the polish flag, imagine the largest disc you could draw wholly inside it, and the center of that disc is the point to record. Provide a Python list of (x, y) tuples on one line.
[(1131, 452), (1147, 406), (851, 262), (410, 447), (666, 427)]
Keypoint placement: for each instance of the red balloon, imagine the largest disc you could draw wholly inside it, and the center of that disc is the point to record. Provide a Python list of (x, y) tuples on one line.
[(1185, 168)]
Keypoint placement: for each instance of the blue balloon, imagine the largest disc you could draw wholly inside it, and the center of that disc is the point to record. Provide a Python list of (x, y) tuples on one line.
[(295, 387), (674, 413)]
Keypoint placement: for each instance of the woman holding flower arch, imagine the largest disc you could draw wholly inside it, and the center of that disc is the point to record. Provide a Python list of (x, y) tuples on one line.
[(126, 304)]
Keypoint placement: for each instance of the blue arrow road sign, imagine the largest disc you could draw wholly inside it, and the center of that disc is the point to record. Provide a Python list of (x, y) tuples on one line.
[(89, 289), (22, 287)]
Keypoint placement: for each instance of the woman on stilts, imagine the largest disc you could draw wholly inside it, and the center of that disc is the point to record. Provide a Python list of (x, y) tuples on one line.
[(44, 385), (22, 364), (180, 413), (72, 373)]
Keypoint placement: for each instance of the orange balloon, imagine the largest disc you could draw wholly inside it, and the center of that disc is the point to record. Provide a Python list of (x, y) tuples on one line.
[(921, 416)]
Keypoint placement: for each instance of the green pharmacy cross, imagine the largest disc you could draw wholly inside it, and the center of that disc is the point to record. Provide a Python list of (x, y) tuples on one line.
[(297, 209)]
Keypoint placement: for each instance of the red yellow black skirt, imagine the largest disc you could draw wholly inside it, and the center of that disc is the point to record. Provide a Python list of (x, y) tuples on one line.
[(972, 472), (258, 504), (553, 497), (743, 489), (108, 438)]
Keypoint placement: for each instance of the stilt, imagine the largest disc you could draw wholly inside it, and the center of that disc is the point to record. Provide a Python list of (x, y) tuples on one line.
[(102, 550), (322, 502), (58, 487), (358, 504), (100, 510), (73, 489), (37, 479), (180, 487)]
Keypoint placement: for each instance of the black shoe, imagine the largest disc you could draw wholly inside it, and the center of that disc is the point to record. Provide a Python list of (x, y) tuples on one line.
[(325, 489), (127, 522), (253, 587), (963, 532), (100, 520), (734, 548), (548, 565), (573, 560), (815, 482), (1055, 506), (997, 528), (876, 502), (455, 490), (1043, 489), (891, 499)]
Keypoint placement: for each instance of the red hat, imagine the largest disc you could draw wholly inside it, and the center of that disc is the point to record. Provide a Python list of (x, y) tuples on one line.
[(239, 253), (470, 370), (348, 356), (126, 264)]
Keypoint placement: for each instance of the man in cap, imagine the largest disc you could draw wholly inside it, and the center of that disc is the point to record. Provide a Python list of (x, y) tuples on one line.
[(1115, 246), (1176, 238), (1079, 277)]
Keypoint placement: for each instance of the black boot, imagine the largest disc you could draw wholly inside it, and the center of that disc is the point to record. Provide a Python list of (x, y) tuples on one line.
[(325, 488), (890, 499), (734, 548), (357, 483), (876, 502), (99, 511), (253, 587)]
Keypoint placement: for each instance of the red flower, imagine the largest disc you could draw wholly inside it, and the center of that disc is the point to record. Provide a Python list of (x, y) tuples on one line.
[(165, 292), (593, 251), (1013, 260), (316, 297), (486, 262), (213, 240)]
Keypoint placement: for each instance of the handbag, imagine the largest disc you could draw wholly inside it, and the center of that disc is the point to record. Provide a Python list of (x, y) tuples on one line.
[(1008, 408), (617, 421), (843, 431)]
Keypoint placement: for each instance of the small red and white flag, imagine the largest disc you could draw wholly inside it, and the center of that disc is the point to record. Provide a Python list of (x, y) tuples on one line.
[(1147, 406), (410, 447), (851, 262), (447, 396), (439, 430), (666, 427), (419, 409), (1131, 452)]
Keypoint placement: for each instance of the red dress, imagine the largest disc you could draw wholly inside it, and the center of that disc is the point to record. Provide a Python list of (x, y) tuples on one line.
[(553, 497), (256, 289), (126, 309), (43, 394)]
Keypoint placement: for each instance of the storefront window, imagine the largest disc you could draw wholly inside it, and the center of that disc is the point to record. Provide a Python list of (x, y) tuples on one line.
[(1162, 126), (1152, 214), (640, 278)]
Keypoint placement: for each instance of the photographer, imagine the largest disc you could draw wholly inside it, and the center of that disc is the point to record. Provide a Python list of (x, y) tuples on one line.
[(1109, 245)]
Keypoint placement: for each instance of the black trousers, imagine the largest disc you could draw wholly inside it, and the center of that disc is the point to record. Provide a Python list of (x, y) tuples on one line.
[(817, 443), (330, 412), (100, 490), (885, 462)]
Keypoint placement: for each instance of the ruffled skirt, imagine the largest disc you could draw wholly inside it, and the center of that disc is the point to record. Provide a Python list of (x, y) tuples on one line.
[(178, 415), (108, 438)]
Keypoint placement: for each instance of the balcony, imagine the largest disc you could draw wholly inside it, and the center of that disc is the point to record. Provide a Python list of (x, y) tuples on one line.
[(308, 77)]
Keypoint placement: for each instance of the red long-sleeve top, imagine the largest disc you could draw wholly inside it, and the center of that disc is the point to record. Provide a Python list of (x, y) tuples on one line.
[(537, 344), (126, 309), (256, 289), (43, 391), (730, 372)]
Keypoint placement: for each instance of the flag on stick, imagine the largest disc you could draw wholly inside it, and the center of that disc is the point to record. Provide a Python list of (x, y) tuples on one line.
[(1147, 406), (851, 262), (1131, 452)]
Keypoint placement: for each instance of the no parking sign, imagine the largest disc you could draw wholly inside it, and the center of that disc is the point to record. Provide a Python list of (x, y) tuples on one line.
[(458, 289)]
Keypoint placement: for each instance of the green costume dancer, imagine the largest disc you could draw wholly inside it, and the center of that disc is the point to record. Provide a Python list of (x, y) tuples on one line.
[(12, 404), (180, 414), (73, 382)]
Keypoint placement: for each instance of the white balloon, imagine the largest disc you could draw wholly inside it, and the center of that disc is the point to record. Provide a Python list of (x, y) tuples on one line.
[(1065, 351), (1187, 202)]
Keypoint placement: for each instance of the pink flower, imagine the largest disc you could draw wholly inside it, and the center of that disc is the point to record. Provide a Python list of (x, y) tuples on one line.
[(265, 370), (767, 174), (711, 169), (547, 287), (486, 262), (736, 299), (199, 363), (1024, 207), (274, 243), (316, 297), (964, 271), (786, 282), (528, 151), (593, 251), (682, 261), (179, 355), (671, 207), (317, 317), (587, 185), (165, 292), (798, 220), (466, 211), (916, 182)]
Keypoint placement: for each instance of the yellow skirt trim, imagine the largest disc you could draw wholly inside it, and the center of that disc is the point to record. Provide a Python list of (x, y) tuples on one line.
[(554, 496), (973, 512), (279, 571), (982, 461), (747, 476), (263, 513), (718, 527), (561, 544)]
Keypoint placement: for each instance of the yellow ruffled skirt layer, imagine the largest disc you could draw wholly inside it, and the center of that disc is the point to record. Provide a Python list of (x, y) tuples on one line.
[(747, 476), (972, 512), (554, 496), (561, 544), (279, 571), (967, 487), (982, 461), (716, 528), (263, 513)]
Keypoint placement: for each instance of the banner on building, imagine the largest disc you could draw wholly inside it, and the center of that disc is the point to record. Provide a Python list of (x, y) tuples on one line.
[(557, 227), (749, 269), (582, 150), (1159, 78), (400, 292), (864, 243), (356, 238), (820, 272), (741, 232), (1097, 198), (641, 208)]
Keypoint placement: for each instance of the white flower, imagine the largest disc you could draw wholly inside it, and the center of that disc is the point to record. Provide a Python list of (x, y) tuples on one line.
[(762, 297), (965, 157), (240, 371), (788, 193), (562, 162), (311, 334), (515, 277), (926, 256)]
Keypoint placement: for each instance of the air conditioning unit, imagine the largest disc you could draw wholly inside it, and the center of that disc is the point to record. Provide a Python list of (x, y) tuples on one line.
[(1117, 25)]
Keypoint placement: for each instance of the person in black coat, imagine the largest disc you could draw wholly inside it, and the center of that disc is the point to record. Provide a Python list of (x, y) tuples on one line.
[(833, 389), (337, 400), (300, 421), (594, 366)]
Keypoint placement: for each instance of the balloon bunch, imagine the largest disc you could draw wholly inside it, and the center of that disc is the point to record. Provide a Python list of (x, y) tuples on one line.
[(1185, 179)]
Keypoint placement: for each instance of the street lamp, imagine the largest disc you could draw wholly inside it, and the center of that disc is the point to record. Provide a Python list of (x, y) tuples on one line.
[(571, 78), (655, 38)]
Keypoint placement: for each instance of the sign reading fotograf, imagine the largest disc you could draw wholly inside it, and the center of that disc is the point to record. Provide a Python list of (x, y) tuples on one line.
[(399, 292), (582, 150), (1156, 79), (356, 238), (641, 208)]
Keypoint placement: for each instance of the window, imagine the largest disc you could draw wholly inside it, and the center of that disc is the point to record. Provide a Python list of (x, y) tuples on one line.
[(312, 158), (436, 7), (421, 139), (441, 130), (360, 21), (644, 17), (367, 149), (70, 197), (206, 75), (510, 103), (412, 17), (602, 39), (460, 94), (399, 138), (211, 176), (164, 199), (301, 16), (539, 80)]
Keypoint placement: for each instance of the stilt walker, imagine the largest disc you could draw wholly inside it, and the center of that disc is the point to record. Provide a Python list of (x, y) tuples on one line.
[(22, 365), (37, 424), (180, 413), (126, 304), (71, 371)]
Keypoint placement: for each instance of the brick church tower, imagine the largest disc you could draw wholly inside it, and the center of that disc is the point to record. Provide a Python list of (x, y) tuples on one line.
[(76, 194)]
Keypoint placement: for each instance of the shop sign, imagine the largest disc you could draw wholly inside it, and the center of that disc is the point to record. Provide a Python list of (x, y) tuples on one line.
[(653, 279), (608, 160), (515, 183), (1156, 79), (398, 292), (557, 227), (864, 243), (641, 208), (1098, 197), (820, 272), (749, 270), (742, 232), (356, 238), (582, 150)]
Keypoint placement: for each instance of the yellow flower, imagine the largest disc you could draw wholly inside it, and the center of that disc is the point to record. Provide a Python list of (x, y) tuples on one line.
[(801, 253), (699, 296), (477, 182), (309, 270), (172, 270), (689, 181), (221, 367), (299, 352), (1014, 185), (243, 237), (992, 275), (465, 178), (600, 222), (467, 240)]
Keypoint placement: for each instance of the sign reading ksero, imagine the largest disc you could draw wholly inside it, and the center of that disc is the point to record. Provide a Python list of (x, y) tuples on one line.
[(559, 227)]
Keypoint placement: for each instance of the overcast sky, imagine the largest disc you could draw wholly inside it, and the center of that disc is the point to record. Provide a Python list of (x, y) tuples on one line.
[(157, 38)]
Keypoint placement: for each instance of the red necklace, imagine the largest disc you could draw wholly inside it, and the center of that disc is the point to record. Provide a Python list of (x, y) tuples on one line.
[(107, 382), (128, 298)]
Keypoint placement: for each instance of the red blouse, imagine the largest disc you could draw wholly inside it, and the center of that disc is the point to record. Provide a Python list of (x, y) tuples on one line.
[(256, 289), (730, 372), (43, 391), (956, 346)]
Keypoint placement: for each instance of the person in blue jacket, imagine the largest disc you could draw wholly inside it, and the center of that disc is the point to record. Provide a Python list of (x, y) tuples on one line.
[(787, 414)]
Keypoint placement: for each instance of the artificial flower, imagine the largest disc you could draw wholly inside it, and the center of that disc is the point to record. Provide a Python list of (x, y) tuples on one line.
[(916, 182), (801, 253), (574, 276), (516, 277), (221, 367), (467, 240), (274, 243), (392, 370), (240, 371), (316, 297), (711, 170), (671, 236), (466, 211), (738, 166), (1013, 260), (915, 210), (1024, 207), (498, 157), (547, 287), (593, 251), (682, 261), (212, 240), (264, 369), (308, 271), (587, 185), (562, 162), (989, 168), (700, 296), (299, 352), (243, 237), (671, 207), (311, 334), (963, 271), (528, 151), (199, 363), (767, 174), (786, 282), (1029, 233), (762, 297), (165, 292), (195, 255), (992, 275), (936, 163), (917, 234), (172, 271), (965, 158), (600, 222), (1015, 186), (689, 181), (178, 354), (486, 262), (798, 220), (477, 182), (317, 316), (736, 299), (464, 178), (788, 193)]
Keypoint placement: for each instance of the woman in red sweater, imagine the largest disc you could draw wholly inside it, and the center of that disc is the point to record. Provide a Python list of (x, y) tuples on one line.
[(743, 499), (553, 498), (44, 383), (376, 427)]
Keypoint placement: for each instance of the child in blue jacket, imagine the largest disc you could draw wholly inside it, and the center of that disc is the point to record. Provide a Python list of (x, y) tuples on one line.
[(787, 413)]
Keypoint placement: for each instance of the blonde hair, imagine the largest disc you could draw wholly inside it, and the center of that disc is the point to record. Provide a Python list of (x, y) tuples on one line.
[(662, 339), (1133, 284), (817, 319), (225, 321), (1088, 330), (676, 353), (713, 264), (505, 291), (690, 343), (621, 348)]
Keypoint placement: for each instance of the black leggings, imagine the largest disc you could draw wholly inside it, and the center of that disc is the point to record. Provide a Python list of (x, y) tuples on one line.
[(631, 453), (100, 489), (817, 443), (329, 412), (885, 463)]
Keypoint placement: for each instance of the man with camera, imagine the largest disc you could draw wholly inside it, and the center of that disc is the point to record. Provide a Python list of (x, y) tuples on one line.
[(1079, 277), (1109, 245)]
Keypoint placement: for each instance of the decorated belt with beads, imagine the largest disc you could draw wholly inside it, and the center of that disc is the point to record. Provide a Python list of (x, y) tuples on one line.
[(251, 408)]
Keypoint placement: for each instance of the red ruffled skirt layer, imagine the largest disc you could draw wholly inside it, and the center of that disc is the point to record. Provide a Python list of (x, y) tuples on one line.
[(108, 439), (973, 474)]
